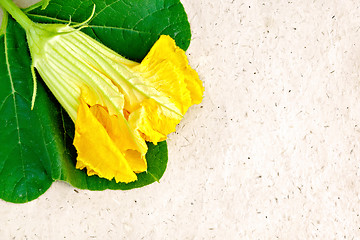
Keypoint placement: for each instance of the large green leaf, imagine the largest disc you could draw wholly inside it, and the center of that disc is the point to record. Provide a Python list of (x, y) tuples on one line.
[(36, 146), (25, 160), (130, 27)]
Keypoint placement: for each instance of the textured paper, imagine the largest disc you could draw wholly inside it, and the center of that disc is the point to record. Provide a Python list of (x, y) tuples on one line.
[(271, 153)]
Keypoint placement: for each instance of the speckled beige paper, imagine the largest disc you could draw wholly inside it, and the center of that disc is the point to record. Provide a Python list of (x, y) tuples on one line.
[(271, 153)]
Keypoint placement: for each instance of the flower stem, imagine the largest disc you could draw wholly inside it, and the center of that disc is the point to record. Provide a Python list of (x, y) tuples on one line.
[(17, 14), (4, 22)]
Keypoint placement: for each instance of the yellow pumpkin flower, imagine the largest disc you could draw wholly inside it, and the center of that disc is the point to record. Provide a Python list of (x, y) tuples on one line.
[(116, 104)]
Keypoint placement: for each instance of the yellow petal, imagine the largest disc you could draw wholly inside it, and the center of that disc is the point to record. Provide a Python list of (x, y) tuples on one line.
[(171, 87), (172, 67), (97, 151), (154, 121), (133, 147)]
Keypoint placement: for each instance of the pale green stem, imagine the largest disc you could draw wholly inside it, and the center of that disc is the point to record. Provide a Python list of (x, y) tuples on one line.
[(4, 22), (32, 7), (17, 14), (35, 86)]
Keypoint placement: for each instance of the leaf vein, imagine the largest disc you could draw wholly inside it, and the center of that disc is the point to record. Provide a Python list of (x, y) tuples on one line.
[(118, 28), (90, 25), (5, 100), (107, 5), (172, 24), (153, 176), (15, 106), (152, 13)]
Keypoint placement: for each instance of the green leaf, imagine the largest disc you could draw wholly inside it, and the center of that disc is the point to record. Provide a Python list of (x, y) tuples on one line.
[(123, 24), (36, 146), (25, 160)]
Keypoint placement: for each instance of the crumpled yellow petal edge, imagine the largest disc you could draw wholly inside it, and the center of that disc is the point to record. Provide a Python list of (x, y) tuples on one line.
[(97, 151), (166, 69)]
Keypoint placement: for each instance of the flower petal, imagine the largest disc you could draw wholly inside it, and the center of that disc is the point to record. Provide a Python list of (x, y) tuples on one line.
[(97, 151), (171, 86), (171, 66), (133, 147)]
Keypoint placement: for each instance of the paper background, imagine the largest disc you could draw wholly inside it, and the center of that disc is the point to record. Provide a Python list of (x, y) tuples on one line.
[(271, 153)]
